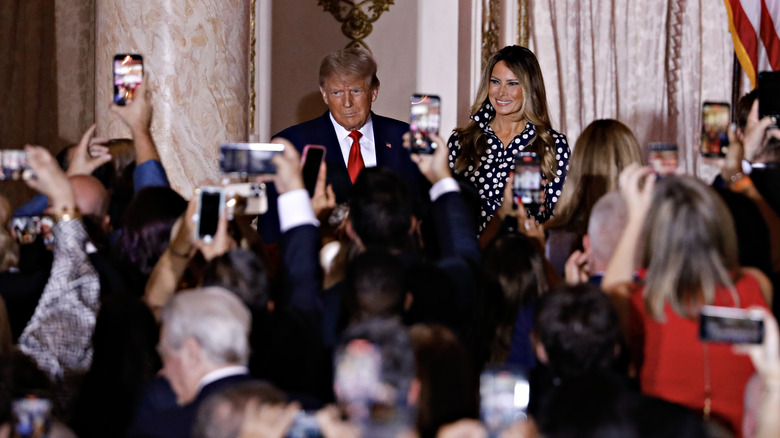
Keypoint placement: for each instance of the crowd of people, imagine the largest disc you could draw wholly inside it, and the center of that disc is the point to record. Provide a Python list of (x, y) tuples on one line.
[(409, 295)]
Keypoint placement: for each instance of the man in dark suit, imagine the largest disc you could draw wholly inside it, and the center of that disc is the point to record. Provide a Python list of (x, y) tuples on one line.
[(204, 347), (353, 136)]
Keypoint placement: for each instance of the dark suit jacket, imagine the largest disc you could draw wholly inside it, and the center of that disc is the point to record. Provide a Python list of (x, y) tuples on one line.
[(388, 138), (178, 422)]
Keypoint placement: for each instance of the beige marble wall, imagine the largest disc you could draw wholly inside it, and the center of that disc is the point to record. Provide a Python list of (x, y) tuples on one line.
[(196, 64), (75, 33)]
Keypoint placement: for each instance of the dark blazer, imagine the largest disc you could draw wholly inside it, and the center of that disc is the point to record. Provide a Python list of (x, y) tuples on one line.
[(388, 138), (178, 421)]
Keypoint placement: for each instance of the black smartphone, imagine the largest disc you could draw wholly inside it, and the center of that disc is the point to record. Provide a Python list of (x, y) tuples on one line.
[(211, 202), (663, 158), (769, 94), (312, 157), (715, 120), (246, 159), (527, 182), (128, 74), (424, 120), (731, 325)]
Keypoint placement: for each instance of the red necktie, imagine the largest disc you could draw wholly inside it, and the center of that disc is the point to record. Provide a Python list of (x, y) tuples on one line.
[(355, 162)]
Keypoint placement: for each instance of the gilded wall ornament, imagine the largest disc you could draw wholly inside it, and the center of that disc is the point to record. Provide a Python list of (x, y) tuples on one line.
[(356, 17)]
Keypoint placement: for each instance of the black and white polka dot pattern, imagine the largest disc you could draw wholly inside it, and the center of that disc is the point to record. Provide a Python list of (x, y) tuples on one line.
[(489, 178)]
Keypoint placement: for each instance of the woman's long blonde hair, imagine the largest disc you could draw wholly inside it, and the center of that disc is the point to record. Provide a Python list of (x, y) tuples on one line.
[(604, 148), (522, 62), (690, 247)]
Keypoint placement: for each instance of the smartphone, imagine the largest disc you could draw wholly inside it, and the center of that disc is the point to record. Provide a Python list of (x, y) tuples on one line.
[(31, 417), (731, 325), (715, 120), (504, 394), (662, 157), (245, 159), (769, 94), (250, 199), (424, 120), (128, 74), (312, 157), (27, 229), (304, 425), (211, 202), (527, 182), (14, 165)]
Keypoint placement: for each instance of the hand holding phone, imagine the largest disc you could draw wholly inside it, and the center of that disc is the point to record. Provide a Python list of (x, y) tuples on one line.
[(128, 74), (504, 396), (424, 120)]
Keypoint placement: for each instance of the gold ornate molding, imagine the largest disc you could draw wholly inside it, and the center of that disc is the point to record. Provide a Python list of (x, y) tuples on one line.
[(523, 20), (356, 18), (491, 14)]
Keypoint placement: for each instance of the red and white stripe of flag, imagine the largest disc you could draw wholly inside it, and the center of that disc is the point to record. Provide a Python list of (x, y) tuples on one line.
[(754, 28)]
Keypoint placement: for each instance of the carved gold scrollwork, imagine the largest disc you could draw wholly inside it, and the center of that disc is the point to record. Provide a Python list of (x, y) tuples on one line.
[(523, 23), (356, 18), (252, 56), (491, 15)]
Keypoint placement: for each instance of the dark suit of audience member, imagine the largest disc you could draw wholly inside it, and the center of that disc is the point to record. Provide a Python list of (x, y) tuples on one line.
[(204, 348)]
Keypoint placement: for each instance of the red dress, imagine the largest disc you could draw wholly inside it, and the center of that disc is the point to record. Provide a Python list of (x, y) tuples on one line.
[(673, 359)]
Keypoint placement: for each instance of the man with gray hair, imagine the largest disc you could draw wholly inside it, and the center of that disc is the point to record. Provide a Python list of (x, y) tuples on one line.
[(204, 346)]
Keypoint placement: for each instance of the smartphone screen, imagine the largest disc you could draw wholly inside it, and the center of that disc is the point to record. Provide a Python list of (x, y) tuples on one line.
[(211, 202), (504, 396), (424, 120), (662, 157), (715, 118), (527, 182), (128, 74), (731, 325), (769, 94), (311, 159), (14, 165), (246, 159), (31, 417)]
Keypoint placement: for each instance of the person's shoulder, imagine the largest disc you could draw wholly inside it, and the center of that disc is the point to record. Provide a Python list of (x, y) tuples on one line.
[(387, 122), (303, 127), (557, 136)]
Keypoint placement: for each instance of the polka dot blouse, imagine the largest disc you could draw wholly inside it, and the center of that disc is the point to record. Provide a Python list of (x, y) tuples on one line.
[(489, 177)]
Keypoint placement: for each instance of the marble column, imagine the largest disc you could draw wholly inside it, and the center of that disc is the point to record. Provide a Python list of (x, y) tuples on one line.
[(196, 66)]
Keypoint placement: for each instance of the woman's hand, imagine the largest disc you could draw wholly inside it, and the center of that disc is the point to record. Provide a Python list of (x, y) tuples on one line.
[(637, 196)]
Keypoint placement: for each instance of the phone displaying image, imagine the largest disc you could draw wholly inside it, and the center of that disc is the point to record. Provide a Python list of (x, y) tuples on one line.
[(31, 417), (14, 165), (424, 120), (211, 202), (769, 94), (731, 325), (245, 159), (504, 395), (128, 74), (715, 120), (27, 229), (312, 157), (305, 425), (527, 182), (662, 157)]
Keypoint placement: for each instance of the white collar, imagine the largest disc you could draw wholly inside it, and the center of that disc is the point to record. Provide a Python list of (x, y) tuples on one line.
[(221, 373)]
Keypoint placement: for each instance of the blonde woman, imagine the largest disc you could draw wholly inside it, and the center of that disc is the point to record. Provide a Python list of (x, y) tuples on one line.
[(688, 259), (602, 151)]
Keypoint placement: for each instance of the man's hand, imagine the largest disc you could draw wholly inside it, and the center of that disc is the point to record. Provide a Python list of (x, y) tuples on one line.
[(288, 168), (755, 131), (221, 243), (89, 154), (576, 269), (49, 179), (137, 114), (435, 167)]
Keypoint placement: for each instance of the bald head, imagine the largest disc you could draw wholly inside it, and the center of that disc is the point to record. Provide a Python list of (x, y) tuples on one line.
[(91, 196), (605, 226)]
